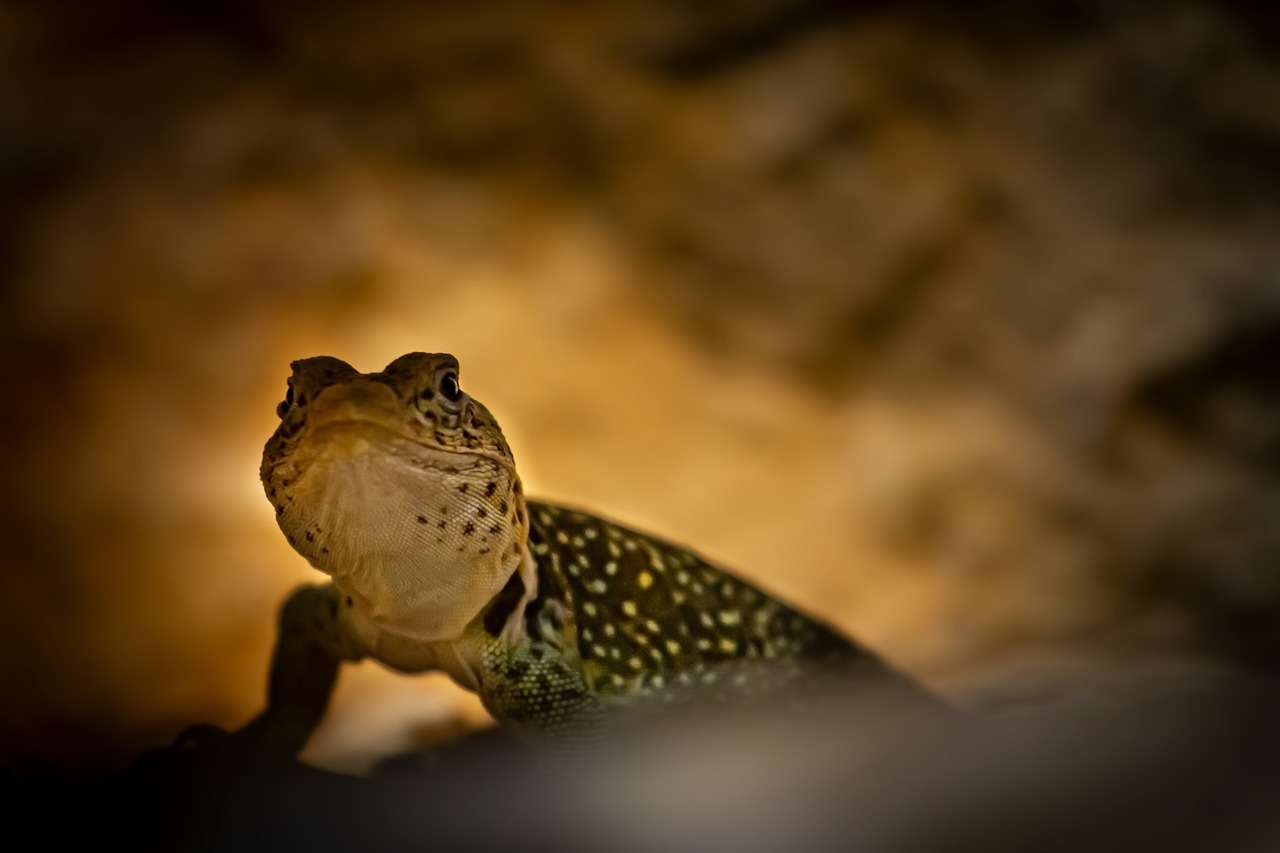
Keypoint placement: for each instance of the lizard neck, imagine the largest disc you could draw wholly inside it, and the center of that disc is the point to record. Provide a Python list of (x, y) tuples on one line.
[(421, 549), (502, 620), (504, 615)]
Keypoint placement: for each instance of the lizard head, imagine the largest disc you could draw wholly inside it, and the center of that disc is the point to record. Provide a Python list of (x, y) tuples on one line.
[(400, 486)]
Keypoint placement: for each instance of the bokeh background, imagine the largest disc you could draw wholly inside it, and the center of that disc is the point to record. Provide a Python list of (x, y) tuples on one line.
[(955, 324)]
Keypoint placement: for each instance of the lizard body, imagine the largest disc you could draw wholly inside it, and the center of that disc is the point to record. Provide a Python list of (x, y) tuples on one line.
[(402, 488)]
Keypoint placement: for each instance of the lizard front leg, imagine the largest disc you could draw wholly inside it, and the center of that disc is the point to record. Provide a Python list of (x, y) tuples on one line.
[(314, 638)]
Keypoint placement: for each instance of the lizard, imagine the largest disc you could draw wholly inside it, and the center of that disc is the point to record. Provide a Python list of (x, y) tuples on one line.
[(401, 487)]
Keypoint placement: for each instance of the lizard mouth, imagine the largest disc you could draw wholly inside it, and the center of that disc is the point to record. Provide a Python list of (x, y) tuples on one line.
[(365, 422), (371, 436)]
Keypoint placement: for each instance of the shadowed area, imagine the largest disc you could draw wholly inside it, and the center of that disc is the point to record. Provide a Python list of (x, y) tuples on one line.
[(1173, 772)]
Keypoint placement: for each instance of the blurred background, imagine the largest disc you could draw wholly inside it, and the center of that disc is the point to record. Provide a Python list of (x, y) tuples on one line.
[(959, 328)]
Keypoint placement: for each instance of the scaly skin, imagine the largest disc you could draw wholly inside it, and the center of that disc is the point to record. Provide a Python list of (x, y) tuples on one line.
[(402, 489)]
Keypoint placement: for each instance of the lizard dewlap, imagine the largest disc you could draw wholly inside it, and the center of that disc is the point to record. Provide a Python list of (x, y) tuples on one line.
[(402, 489)]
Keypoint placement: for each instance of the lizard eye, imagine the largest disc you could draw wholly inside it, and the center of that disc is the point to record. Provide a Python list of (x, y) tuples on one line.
[(449, 387), (283, 408)]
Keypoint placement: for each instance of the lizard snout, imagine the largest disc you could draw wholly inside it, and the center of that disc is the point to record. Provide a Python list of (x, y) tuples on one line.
[(357, 400)]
